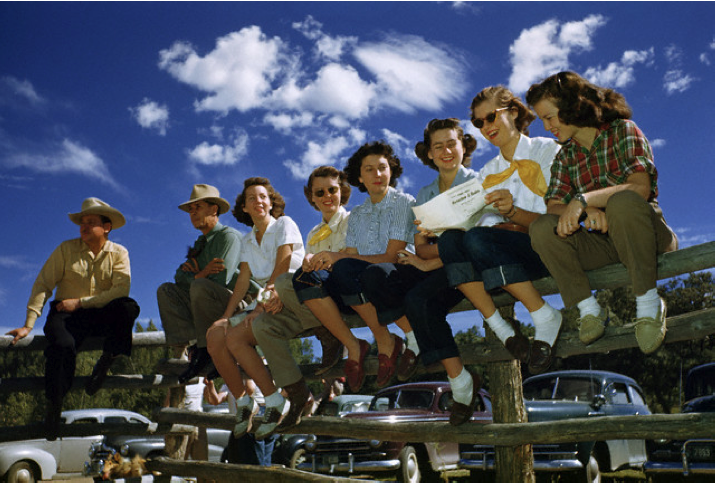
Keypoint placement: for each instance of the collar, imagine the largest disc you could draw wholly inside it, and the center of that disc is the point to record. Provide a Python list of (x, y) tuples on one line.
[(255, 229), (217, 228), (335, 220)]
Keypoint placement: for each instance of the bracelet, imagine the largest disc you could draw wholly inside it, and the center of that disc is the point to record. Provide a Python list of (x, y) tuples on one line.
[(511, 213)]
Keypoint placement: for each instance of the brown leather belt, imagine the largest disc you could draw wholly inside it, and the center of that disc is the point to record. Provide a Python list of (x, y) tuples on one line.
[(512, 227)]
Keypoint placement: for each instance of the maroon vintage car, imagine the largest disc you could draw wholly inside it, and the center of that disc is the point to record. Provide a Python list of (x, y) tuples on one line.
[(408, 461)]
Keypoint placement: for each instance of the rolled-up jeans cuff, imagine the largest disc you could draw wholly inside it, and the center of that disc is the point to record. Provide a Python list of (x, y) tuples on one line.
[(429, 357), (503, 275), (390, 315), (311, 292), (460, 273), (354, 299)]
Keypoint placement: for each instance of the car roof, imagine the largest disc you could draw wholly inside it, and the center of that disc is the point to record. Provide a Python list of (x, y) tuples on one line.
[(103, 413), (600, 374)]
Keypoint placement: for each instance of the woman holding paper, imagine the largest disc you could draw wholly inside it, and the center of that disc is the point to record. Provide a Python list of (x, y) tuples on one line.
[(494, 254)]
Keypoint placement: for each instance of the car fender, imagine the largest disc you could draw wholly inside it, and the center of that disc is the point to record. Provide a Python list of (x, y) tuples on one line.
[(44, 460)]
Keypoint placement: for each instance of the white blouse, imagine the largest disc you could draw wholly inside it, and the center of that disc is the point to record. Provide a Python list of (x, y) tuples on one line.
[(335, 242), (261, 258)]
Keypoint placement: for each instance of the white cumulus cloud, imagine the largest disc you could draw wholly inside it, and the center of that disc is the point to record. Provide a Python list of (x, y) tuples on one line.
[(221, 154), (620, 74), (151, 115), (11, 86), (677, 81), (67, 157), (544, 49)]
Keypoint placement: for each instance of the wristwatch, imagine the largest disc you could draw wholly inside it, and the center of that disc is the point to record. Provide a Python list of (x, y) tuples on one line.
[(580, 198)]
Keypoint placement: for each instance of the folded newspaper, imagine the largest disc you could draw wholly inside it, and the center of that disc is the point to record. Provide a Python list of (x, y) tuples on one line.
[(460, 207)]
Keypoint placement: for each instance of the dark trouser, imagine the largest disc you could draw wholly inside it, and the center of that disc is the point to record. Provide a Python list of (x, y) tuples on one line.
[(247, 450), (426, 306), (65, 333)]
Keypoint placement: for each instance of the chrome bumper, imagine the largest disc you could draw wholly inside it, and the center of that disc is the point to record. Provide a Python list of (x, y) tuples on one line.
[(325, 466)]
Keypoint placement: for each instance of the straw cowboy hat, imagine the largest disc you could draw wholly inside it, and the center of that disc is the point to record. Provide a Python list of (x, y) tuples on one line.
[(95, 206), (208, 193)]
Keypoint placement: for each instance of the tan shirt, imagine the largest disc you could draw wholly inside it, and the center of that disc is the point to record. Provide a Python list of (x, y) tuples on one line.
[(77, 273)]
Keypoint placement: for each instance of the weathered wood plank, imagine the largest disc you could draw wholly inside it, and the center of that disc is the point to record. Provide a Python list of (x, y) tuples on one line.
[(36, 341), (217, 472), (37, 430), (672, 426)]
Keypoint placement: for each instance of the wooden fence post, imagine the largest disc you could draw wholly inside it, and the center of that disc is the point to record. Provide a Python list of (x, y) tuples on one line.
[(513, 463), (175, 445)]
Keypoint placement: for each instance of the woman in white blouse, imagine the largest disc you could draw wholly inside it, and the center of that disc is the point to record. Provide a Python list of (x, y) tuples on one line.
[(497, 254), (273, 247)]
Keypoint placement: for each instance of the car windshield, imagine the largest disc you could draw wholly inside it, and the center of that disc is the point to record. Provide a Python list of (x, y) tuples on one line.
[(578, 389), (405, 399)]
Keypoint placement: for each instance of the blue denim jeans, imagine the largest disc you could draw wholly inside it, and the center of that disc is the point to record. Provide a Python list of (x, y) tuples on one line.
[(497, 257), (426, 306), (342, 283)]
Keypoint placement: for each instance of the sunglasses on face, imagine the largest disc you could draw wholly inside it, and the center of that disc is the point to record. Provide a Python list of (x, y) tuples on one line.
[(490, 118), (320, 192)]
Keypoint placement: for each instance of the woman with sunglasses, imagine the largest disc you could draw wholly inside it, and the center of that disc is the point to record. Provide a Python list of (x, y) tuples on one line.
[(273, 247), (604, 177)]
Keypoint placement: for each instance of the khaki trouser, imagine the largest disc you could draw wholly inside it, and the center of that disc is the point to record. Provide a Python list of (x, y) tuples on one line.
[(637, 234), (274, 331), (186, 315)]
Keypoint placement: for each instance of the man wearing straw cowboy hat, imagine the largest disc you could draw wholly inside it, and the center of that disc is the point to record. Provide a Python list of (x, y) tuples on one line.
[(203, 283), (92, 277)]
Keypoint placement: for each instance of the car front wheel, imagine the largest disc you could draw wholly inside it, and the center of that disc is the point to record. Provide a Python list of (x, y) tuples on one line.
[(409, 469), (591, 472), (298, 457), (21, 472)]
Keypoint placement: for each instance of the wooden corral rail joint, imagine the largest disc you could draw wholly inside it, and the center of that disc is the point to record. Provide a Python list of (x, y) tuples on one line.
[(216, 472), (672, 426), (37, 431)]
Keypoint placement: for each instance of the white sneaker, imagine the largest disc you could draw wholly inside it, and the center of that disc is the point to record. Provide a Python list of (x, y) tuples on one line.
[(272, 417), (244, 416)]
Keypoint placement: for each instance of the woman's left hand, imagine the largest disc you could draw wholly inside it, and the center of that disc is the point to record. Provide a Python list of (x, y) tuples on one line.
[(596, 220), (274, 304), (322, 260), (502, 200), (408, 258)]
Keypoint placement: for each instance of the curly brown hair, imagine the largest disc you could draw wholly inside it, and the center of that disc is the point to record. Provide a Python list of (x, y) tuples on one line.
[(332, 172), (579, 102), (469, 143), (504, 98), (277, 201), (355, 162)]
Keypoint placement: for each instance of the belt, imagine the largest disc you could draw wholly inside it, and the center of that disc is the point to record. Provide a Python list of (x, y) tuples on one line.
[(512, 227)]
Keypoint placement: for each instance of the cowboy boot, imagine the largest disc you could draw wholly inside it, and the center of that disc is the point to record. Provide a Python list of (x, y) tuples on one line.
[(301, 403), (331, 347)]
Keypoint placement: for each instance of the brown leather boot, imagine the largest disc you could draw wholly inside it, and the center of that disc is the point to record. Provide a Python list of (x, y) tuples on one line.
[(301, 402), (332, 350)]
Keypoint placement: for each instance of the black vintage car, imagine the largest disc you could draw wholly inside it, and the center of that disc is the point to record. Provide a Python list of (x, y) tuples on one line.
[(693, 458), (562, 395)]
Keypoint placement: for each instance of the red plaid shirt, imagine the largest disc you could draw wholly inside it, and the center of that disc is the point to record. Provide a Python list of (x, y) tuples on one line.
[(619, 150)]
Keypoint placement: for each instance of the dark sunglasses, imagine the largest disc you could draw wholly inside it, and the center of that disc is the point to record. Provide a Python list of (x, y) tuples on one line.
[(490, 118), (320, 192)]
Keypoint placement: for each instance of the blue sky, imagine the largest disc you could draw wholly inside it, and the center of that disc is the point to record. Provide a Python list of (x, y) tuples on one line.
[(136, 102)]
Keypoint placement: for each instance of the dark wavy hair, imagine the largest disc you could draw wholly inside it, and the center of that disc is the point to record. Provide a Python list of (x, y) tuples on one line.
[(579, 102), (328, 171), (504, 98), (469, 143), (277, 201), (355, 162)]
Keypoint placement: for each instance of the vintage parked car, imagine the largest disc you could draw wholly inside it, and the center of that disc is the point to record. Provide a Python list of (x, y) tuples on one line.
[(574, 394), (146, 446), (33, 460), (407, 461), (692, 458), (290, 448)]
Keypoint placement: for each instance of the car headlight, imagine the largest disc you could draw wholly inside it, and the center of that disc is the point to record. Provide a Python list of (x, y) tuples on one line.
[(311, 444), (124, 450), (375, 443)]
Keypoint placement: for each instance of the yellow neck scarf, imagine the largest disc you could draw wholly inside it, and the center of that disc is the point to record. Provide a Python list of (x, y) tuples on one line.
[(322, 234), (530, 173)]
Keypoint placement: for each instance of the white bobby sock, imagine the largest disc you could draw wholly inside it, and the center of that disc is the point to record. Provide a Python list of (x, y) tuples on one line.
[(500, 327), (462, 387), (647, 305), (547, 321), (411, 342), (589, 306), (275, 399)]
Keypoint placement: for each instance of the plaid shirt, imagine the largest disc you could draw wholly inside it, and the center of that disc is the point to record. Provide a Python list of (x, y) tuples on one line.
[(619, 150)]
